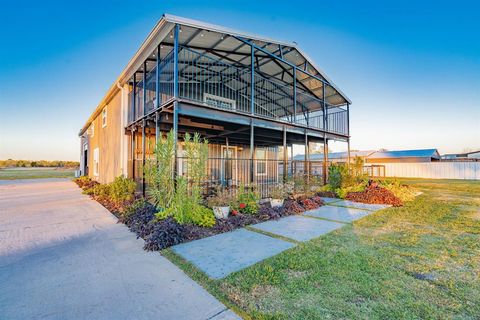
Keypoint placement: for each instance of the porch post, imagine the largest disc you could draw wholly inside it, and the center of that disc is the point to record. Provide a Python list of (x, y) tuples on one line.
[(348, 131), (157, 82), (325, 141), (143, 156), (285, 155), (291, 159), (134, 95), (157, 127), (175, 102), (306, 166), (252, 80), (144, 87), (252, 146), (133, 152), (226, 160), (294, 95)]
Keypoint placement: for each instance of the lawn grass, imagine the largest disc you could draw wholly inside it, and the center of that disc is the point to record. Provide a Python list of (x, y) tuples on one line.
[(420, 261), (35, 173)]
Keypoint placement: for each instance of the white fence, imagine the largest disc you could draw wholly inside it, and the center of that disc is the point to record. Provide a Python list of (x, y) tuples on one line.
[(433, 170)]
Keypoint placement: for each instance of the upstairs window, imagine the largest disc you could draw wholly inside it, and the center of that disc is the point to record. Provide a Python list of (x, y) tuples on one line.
[(219, 102), (104, 117)]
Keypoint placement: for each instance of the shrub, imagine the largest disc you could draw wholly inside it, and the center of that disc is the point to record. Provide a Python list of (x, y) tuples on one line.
[(101, 191), (164, 234), (308, 204), (222, 198), (403, 192), (278, 192), (293, 207), (186, 209), (247, 200), (375, 195), (122, 190), (82, 180)]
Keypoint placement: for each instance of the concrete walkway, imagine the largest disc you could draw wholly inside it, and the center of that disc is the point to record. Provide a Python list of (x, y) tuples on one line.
[(222, 254), (63, 256)]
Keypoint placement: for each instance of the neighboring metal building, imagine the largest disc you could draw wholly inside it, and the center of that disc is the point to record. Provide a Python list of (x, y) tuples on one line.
[(466, 156), (336, 156), (403, 156)]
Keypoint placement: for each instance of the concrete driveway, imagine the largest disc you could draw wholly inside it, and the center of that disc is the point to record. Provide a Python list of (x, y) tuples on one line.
[(63, 256)]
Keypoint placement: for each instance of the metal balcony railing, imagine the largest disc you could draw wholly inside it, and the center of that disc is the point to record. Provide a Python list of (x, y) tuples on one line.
[(213, 82)]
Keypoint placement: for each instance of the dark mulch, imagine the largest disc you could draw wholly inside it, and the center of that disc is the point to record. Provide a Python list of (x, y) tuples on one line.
[(374, 194)]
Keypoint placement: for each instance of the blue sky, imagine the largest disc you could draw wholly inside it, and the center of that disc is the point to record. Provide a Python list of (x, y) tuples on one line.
[(411, 69)]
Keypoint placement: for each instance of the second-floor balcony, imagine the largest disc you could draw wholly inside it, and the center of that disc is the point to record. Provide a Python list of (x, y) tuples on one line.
[(213, 82)]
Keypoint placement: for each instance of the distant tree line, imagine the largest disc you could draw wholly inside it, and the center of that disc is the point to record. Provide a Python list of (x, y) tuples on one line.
[(10, 163)]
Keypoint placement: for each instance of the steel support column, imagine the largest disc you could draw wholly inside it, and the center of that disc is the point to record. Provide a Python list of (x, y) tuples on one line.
[(157, 80), (143, 157), (157, 127), (175, 95), (348, 131), (144, 87), (285, 155), (294, 95), (325, 148), (252, 80), (133, 152), (306, 166), (252, 151)]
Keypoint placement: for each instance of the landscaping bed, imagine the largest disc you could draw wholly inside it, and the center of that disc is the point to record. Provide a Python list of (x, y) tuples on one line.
[(142, 217)]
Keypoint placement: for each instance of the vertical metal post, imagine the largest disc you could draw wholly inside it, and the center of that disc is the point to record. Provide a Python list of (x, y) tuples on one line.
[(325, 149), (291, 159), (227, 163), (134, 95), (175, 95), (157, 127), (348, 131), (143, 156), (252, 80), (133, 153), (144, 87), (252, 151), (306, 166), (294, 95), (285, 154), (157, 80)]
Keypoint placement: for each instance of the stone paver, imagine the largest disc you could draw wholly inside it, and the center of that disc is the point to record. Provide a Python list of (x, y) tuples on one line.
[(358, 205), (64, 256), (338, 213), (298, 227), (222, 254)]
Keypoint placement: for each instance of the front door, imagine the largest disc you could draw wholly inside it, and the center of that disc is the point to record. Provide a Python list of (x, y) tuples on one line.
[(229, 165)]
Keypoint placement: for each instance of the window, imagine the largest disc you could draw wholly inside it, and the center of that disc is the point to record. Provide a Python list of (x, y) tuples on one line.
[(104, 117), (261, 162), (219, 102), (92, 129), (96, 155)]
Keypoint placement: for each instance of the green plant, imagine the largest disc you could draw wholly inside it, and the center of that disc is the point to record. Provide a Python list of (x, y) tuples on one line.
[(101, 191), (159, 172), (247, 200), (344, 178), (186, 209), (278, 192), (122, 190), (222, 198), (403, 192)]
